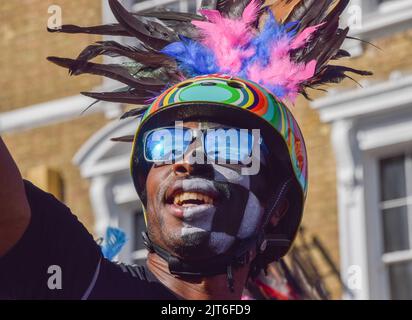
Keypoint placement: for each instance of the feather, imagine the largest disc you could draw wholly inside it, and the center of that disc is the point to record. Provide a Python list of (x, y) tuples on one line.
[(227, 38), (134, 112), (113, 243), (193, 57), (282, 8), (148, 58), (171, 15), (304, 36), (287, 55), (272, 34), (119, 97), (148, 30), (209, 4), (110, 30), (128, 139), (235, 9), (112, 71), (89, 106), (335, 74), (341, 54)]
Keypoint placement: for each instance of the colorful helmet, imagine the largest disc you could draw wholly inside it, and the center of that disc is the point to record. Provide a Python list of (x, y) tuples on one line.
[(247, 105)]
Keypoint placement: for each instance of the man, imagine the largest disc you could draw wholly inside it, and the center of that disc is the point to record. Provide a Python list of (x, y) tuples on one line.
[(223, 187)]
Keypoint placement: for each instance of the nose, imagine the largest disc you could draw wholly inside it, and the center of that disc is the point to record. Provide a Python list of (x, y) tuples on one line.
[(182, 168), (190, 167)]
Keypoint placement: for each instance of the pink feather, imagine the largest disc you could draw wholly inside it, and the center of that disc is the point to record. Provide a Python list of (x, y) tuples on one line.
[(283, 72), (227, 38), (303, 37), (251, 11)]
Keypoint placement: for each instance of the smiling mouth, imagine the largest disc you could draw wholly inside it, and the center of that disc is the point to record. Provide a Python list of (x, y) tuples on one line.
[(190, 199)]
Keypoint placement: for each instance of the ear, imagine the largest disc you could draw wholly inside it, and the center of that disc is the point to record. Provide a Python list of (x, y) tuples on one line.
[(279, 213)]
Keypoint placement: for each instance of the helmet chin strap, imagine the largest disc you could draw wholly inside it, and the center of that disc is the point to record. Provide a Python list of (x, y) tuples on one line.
[(220, 264), (238, 256)]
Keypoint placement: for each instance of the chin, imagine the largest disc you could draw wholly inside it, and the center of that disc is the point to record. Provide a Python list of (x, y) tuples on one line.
[(190, 245)]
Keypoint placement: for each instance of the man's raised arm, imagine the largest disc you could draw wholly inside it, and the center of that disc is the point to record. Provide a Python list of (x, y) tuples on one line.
[(14, 207)]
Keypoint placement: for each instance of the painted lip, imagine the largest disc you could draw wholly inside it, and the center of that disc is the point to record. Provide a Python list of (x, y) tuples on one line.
[(195, 185)]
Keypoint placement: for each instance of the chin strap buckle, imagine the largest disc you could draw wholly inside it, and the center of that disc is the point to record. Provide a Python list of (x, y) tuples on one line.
[(274, 240)]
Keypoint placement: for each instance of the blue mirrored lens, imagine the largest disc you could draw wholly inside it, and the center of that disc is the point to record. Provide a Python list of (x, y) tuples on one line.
[(167, 144), (229, 145)]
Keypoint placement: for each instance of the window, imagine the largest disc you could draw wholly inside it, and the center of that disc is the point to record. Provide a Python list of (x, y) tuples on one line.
[(396, 213)]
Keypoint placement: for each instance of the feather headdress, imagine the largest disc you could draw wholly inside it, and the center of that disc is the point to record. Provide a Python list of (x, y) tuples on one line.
[(284, 45)]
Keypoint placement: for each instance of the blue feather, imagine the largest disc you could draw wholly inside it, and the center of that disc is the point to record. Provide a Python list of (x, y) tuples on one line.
[(278, 91), (193, 57), (271, 32), (113, 242)]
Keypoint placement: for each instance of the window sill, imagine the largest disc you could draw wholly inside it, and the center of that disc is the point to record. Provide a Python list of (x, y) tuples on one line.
[(386, 22)]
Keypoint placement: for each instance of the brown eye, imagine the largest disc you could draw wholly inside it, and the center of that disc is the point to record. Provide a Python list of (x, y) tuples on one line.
[(236, 84)]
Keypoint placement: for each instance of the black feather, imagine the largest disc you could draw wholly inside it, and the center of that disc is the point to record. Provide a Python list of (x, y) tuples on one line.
[(234, 8), (149, 58), (123, 139), (134, 112), (122, 97), (112, 71), (165, 15), (150, 31), (336, 74), (341, 54), (109, 29)]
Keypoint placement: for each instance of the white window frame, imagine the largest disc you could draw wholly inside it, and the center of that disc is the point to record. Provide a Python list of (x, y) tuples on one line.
[(379, 261), (376, 20), (112, 194), (367, 124)]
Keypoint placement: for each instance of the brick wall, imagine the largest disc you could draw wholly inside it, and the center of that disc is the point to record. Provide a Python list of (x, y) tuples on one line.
[(54, 146), (25, 43), (28, 78)]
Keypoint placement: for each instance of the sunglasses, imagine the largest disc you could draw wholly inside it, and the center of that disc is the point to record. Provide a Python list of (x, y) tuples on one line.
[(219, 145)]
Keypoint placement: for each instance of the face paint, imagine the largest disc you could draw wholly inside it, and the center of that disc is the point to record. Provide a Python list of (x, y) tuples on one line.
[(201, 214)]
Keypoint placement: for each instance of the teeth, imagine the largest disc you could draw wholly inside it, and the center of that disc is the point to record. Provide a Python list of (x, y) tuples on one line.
[(186, 196)]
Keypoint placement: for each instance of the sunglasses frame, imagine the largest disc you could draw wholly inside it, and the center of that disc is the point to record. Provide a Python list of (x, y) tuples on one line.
[(194, 137)]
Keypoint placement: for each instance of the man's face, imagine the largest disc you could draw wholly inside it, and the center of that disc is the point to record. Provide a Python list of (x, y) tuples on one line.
[(196, 211)]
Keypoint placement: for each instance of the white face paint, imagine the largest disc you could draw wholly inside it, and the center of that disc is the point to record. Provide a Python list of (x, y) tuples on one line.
[(251, 218), (220, 242), (225, 174), (198, 219)]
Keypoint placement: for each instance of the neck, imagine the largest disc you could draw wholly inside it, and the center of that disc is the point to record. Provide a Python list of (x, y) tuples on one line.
[(198, 288)]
